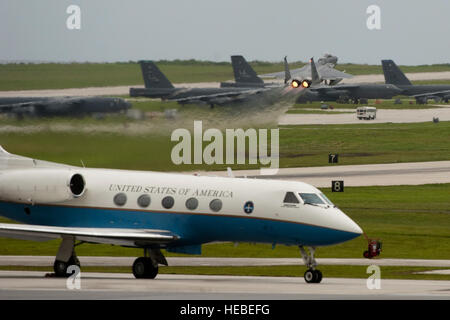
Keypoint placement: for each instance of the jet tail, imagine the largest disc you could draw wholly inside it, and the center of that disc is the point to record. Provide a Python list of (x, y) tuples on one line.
[(314, 73), (153, 77), (11, 161), (243, 72), (287, 72), (393, 74)]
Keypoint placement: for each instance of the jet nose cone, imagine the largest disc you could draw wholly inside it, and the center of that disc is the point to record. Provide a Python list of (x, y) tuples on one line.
[(350, 227), (354, 228)]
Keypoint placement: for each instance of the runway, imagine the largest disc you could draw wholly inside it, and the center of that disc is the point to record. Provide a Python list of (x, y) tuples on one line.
[(408, 173), (35, 286), (95, 261)]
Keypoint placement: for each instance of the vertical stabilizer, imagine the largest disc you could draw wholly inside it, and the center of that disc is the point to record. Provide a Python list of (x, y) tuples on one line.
[(393, 74), (287, 72), (314, 73), (153, 77), (243, 72)]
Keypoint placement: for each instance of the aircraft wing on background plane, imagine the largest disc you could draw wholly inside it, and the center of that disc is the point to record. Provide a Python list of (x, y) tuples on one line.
[(436, 93), (325, 88), (69, 101), (22, 105), (221, 97), (122, 237)]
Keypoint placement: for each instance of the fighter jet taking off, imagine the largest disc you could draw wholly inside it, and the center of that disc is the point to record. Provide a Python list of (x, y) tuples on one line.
[(345, 92), (325, 67)]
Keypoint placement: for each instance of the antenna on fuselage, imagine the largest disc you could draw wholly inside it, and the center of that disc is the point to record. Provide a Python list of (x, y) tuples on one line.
[(82, 163), (230, 172)]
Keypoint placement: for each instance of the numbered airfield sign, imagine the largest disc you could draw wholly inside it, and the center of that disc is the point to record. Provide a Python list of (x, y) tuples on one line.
[(337, 186), (333, 158)]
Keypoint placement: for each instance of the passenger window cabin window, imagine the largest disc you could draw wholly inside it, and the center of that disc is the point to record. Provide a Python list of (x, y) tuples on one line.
[(168, 202), (120, 199), (144, 201), (311, 198), (215, 205), (191, 203), (290, 198)]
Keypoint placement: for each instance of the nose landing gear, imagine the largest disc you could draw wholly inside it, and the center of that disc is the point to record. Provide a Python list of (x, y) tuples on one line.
[(312, 275)]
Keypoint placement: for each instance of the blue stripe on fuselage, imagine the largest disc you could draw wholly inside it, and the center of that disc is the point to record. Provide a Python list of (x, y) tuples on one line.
[(193, 228)]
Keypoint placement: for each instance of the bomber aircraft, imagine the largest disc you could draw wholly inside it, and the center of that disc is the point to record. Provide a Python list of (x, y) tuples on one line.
[(393, 75), (154, 211), (158, 86), (61, 106)]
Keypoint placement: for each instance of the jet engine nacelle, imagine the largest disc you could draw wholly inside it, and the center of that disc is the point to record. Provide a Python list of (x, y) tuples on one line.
[(41, 185)]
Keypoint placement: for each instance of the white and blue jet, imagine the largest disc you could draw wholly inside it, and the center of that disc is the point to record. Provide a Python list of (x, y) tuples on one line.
[(154, 211)]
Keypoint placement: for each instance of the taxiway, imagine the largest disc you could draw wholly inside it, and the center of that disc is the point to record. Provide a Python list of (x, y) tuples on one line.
[(35, 286)]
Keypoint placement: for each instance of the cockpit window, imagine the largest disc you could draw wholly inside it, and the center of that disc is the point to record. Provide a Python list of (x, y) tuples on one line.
[(311, 198), (290, 198), (328, 201)]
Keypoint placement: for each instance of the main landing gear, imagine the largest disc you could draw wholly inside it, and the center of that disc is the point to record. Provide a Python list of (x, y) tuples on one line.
[(312, 275), (65, 257), (143, 268), (147, 267)]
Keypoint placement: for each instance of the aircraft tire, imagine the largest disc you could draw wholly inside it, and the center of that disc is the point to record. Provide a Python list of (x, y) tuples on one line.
[(318, 276), (60, 267), (313, 276), (143, 268)]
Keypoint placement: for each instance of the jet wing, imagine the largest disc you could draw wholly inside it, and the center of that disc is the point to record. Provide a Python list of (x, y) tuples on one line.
[(436, 93), (325, 72), (219, 97), (329, 73), (122, 237), (22, 105)]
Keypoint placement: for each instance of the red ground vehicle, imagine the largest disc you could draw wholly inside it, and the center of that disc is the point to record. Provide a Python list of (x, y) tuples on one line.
[(374, 248)]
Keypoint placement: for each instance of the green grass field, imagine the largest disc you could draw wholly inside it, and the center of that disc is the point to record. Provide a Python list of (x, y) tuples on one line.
[(300, 146), (82, 75)]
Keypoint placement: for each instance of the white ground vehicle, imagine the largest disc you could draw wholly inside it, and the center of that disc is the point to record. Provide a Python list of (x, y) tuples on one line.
[(368, 113)]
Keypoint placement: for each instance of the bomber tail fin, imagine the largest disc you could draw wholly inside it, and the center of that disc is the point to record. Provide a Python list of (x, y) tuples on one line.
[(153, 77), (243, 72), (393, 74)]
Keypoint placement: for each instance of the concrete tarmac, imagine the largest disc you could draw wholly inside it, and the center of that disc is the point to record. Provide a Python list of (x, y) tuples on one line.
[(383, 116), (408, 173), (35, 286), (214, 261)]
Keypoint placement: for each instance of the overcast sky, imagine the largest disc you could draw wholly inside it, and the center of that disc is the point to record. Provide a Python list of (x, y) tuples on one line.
[(412, 31)]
